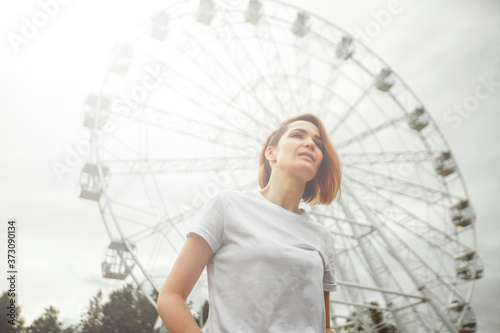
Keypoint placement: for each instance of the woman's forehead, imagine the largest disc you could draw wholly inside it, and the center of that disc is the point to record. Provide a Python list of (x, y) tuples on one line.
[(304, 125)]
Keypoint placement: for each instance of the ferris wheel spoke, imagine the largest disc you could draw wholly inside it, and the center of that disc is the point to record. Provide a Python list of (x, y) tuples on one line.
[(359, 137), (444, 253), (337, 55), (178, 165), (248, 68), (210, 101), (137, 224), (366, 93), (333, 223), (143, 231), (159, 221), (415, 262), (303, 73), (328, 94), (131, 209), (155, 254), (204, 131), (435, 281), (374, 158), (419, 227), (364, 67), (165, 224), (190, 211), (174, 122), (433, 301), (121, 143), (147, 195), (401, 187), (223, 78), (349, 112), (335, 62), (274, 62), (159, 194)]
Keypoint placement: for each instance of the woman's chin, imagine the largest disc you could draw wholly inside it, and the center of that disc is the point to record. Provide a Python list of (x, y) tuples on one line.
[(306, 174)]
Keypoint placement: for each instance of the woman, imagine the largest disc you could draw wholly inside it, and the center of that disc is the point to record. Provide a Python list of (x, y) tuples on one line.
[(269, 265)]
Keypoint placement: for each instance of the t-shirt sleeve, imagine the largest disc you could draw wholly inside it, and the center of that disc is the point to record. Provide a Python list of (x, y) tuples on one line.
[(329, 283), (210, 222)]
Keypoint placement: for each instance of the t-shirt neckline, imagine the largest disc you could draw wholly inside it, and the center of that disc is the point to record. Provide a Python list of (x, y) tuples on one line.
[(286, 211)]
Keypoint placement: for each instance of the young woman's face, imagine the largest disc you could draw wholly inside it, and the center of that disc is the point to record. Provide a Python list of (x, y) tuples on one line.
[(299, 150)]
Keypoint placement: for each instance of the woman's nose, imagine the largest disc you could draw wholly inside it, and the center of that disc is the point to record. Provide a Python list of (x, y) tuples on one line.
[(310, 144)]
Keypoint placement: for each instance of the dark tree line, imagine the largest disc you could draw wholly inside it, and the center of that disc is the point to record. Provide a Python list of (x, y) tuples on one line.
[(126, 311), (374, 321)]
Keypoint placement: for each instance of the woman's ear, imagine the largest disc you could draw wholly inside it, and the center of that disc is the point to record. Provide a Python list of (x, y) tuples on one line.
[(269, 153)]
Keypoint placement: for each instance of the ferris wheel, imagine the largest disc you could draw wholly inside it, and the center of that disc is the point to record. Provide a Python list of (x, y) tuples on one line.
[(184, 108)]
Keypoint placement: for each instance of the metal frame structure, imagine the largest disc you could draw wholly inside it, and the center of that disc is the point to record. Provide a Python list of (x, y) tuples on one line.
[(187, 102)]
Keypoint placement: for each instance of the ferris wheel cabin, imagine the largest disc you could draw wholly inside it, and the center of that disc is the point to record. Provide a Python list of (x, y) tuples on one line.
[(118, 261), (91, 184), (159, 26), (344, 50), (383, 80), (301, 26), (445, 164), (418, 119), (254, 11), (92, 105), (206, 11)]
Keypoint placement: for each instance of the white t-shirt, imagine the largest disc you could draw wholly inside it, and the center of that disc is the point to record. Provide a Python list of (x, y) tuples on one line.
[(270, 265)]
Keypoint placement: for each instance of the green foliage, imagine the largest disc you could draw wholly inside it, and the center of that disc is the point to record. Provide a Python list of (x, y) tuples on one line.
[(70, 329), (48, 322), (5, 327), (91, 321), (204, 315), (126, 311), (375, 321)]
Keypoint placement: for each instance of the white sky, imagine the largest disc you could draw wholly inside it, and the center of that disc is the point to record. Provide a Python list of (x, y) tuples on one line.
[(439, 48)]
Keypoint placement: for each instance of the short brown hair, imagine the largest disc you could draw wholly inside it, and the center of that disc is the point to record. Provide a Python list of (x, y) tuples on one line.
[(326, 184)]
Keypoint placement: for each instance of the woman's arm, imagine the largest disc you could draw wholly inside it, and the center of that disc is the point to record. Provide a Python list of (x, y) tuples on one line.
[(327, 312), (187, 269)]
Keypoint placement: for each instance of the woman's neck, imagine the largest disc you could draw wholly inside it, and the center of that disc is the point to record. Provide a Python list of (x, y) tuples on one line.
[(284, 192)]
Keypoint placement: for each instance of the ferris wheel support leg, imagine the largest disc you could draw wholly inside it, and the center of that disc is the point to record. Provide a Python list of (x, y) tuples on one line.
[(354, 293), (150, 299), (399, 322), (127, 243), (429, 296)]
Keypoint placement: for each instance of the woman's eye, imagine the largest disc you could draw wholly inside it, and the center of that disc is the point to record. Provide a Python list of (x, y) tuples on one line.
[(297, 135)]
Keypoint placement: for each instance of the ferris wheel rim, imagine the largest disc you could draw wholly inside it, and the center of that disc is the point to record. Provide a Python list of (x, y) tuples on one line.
[(372, 53)]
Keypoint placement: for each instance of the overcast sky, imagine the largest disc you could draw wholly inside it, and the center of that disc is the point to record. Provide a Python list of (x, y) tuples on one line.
[(443, 50)]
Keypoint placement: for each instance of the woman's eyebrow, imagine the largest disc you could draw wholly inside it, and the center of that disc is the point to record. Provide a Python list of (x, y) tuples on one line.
[(304, 131)]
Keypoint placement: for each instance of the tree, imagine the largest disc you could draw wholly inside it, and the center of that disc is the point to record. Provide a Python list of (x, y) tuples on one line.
[(202, 318), (18, 320), (70, 329), (381, 324), (91, 321), (128, 311), (375, 322), (48, 322)]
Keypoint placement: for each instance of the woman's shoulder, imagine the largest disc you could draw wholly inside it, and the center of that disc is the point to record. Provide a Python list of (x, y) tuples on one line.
[(320, 227), (232, 194)]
